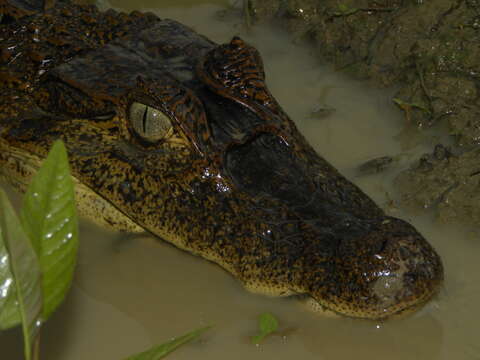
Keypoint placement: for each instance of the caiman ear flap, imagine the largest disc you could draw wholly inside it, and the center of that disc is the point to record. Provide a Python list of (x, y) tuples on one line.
[(235, 71)]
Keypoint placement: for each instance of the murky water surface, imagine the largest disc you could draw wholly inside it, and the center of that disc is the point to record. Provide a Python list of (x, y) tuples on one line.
[(132, 292)]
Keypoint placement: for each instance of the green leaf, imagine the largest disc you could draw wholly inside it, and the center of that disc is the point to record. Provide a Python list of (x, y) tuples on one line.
[(9, 312), (345, 10), (160, 351), (25, 269), (268, 324), (402, 104), (49, 219)]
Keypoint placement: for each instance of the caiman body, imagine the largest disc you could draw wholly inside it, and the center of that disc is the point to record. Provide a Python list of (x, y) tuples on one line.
[(169, 132)]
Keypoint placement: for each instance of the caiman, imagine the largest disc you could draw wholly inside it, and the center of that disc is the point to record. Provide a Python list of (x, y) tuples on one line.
[(171, 133)]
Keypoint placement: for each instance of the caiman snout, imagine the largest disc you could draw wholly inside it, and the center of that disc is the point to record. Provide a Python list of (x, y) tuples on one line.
[(313, 231), (341, 249), (391, 271)]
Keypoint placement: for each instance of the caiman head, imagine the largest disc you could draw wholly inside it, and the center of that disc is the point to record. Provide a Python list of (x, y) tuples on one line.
[(192, 147)]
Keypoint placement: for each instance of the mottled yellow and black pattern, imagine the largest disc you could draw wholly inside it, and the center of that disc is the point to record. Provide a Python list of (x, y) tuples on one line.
[(229, 177)]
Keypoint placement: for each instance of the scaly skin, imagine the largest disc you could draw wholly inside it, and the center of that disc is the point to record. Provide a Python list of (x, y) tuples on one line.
[(232, 180)]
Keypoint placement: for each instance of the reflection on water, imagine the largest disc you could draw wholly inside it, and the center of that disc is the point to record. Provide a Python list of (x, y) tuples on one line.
[(134, 291)]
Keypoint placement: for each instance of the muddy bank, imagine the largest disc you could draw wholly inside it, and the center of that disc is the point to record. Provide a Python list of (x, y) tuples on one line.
[(449, 182), (431, 49)]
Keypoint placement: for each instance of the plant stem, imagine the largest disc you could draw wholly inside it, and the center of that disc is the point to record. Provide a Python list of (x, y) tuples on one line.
[(36, 348)]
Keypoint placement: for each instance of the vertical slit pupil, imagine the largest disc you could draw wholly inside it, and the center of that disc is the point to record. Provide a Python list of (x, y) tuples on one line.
[(144, 120)]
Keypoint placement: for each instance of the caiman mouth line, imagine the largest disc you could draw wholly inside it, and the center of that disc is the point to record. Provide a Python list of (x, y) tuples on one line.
[(197, 151), (382, 314)]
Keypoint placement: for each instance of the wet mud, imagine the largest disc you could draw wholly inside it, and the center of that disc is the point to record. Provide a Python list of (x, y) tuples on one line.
[(446, 181), (431, 51)]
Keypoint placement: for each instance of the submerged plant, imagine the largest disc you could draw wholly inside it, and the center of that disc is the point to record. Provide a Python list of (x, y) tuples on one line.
[(267, 324), (160, 351)]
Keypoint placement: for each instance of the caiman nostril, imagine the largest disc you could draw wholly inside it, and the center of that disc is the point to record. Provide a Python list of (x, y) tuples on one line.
[(394, 268), (413, 271), (386, 288)]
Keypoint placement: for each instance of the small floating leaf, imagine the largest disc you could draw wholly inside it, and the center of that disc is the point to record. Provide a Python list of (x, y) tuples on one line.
[(49, 219), (403, 104), (25, 272), (268, 324), (160, 351), (344, 10)]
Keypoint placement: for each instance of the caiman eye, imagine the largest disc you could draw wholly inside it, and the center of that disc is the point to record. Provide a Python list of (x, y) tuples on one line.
[(149, 123)]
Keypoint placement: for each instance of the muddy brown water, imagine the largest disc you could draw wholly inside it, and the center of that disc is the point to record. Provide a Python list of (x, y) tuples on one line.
[(132, 292)]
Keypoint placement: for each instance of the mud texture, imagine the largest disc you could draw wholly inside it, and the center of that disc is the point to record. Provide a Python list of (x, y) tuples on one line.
[(431, 50), (449, 182)]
